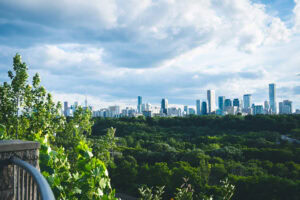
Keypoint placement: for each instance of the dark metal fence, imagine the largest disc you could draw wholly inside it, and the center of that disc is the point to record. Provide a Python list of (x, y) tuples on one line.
[(29, 182)]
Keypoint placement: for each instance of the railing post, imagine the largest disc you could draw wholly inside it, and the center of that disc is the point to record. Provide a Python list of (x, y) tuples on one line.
[(9, 174)]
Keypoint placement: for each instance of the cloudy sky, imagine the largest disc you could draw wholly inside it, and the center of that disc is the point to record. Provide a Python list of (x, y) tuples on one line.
[(114, 50)]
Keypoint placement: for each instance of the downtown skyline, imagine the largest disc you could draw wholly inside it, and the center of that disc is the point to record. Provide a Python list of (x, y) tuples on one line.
[(220, 105)]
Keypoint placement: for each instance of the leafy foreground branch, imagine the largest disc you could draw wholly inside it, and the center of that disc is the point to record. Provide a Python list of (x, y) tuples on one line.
[(185, 192), (66, 159)]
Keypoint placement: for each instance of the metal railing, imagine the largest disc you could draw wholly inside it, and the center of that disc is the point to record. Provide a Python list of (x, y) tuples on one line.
[(30, 184)]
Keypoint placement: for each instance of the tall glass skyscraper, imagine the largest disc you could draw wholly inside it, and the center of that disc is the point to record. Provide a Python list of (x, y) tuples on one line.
[(204, 108), (221, 100), (198, 107), (211, 99), (186, 110), (139, 106), (272, 98), (227, 103), (247, 101), (164, 106), (236, 102)]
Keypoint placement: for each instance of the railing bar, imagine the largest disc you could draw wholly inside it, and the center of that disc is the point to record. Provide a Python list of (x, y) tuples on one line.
[(43, 188), (25, 185), (21, 184), (29, 187), (33, 190), (18, 183)]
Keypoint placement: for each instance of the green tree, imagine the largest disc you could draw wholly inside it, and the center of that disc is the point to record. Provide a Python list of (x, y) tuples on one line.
[(66, 160)]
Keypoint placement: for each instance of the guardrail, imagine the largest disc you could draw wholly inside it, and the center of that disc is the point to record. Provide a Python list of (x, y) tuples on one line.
[(28, 179), (20, 178)]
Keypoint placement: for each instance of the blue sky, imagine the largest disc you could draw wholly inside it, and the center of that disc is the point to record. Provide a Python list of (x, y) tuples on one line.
[(112, 50)]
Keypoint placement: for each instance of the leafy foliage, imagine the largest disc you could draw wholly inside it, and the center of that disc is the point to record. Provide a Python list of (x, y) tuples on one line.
[(66, 159)]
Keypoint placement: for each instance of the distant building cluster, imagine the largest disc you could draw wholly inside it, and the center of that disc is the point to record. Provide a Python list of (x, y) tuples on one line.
[(226, 106)]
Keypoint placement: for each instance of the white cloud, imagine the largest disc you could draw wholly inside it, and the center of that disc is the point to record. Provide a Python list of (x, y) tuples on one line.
[(297, 15), (161, 48)]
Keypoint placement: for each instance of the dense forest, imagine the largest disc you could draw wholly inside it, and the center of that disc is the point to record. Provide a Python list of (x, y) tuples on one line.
[(248, 151)]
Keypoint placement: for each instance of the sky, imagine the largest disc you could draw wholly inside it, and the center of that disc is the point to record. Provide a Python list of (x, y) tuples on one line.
[(111, 51)]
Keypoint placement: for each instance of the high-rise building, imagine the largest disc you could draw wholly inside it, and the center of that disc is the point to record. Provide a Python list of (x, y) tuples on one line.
[(192, 111), (85, 102), (164, 106), (227, 103), (266, 107), (247, 101), (139, 106), (236, 102), (272, 98), (114, 111), (198, 107), (258, 109), (204, 108), (211, 99), (66, 109), (221, 100), (285, 107), (186, 110)]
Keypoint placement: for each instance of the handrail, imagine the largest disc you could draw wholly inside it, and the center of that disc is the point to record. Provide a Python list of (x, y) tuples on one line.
[(42, 184)]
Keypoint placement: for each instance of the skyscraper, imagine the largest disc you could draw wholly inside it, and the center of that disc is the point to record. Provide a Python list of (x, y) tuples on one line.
[(66, 108), (211, 99), (186, 110), (192, 111), (204, 108), (247, 101), (164, 106), (267, 107), (221, 100), (198, 107), (227, 103), (272, 98), (285, 107), (139, 106), (236, 102)]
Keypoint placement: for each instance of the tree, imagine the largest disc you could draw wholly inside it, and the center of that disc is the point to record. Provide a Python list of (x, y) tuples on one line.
[(66, 160)]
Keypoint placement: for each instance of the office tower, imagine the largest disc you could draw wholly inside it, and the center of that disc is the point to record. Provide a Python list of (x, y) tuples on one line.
[(227, 103), (267, 107), (114, 111), (280, 107), (258, 109), (198, 107), (221, 100), (139, 106), (204, 108), (164, 106), (247, 101), (285, 107), (211, 99), (186, 110), (236, 102), (272, 98), (66, 108), (192, 111), (85, 103), (179, 112)]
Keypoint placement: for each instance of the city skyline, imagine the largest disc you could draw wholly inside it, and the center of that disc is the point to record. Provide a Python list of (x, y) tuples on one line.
[(212, 104), (112, 51)]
